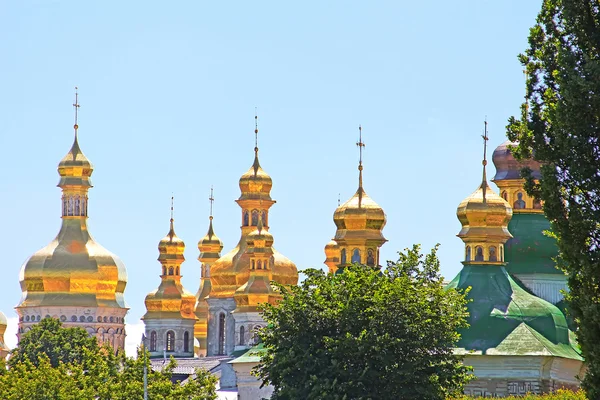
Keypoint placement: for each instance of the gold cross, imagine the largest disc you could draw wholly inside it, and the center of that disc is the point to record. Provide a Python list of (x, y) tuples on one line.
[(211, 199), (76, 105), (360, 144)]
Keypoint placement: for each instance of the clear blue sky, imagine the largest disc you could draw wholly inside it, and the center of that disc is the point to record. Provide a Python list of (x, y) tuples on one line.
[(168, 91)]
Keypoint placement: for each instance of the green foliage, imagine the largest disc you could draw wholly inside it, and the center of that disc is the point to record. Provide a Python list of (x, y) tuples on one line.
[(366, 334), (558, 395), (89, 372), (560, 126)]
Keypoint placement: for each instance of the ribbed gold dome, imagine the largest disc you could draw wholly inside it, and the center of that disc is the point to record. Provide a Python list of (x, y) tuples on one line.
[(73, 270), (255, 182), (360, 212), (484, 215), (210, 245), (171, 248), (75, 169)]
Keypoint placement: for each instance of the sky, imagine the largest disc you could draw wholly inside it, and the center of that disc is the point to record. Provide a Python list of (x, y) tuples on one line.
[(168, 92)]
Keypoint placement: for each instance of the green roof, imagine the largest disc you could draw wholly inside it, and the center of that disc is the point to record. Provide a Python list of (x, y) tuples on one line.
[(505, 319), (252, 355), (530, 251)]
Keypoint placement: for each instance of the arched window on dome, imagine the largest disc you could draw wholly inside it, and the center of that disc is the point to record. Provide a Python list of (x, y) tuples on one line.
[(259, 264), (70, 206), (493, 254), (370, 258), (65, 201), (177, 271), (264, 218), (77, 205), (505, 195), (246, 218), (153, 341), (170, 343), (84, 206), (356, 256), (164, 270), (186, 342), (253, 264), (343, 256), (242, 334), (519, 203), (221, 350), (171, 271), (468, 253), (254, 217), (479, 253), (501, 253)]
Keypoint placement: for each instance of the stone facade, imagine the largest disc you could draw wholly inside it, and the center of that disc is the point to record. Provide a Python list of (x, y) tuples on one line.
[(106, 324), (170, 337), (220, 341)]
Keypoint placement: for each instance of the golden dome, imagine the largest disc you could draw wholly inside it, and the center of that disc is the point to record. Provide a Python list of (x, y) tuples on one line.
[(73, 270), (332, 255), (75, 169), (3, 320), (360, 212), (210, 245), (255, 183), (3, 325), (171, 248), (170, 300), (484, 214)]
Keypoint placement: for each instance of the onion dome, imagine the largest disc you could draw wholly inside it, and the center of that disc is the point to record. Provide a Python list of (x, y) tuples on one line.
[(170, 300), (255, 183), (75, 169), (507, 167), (73, 270), (484, 215), (332, 255), (210, 245)]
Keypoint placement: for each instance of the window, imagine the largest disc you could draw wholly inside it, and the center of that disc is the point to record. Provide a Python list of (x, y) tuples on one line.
[(164, 270), (343, 256), (242, 333), (259, 264), (253, 265), (246, 218), (356, 256), (153, 341), (505, 195), (254, 217), (264, 218), (171, 341), (171, 270), (501, 253), (493, 255), (468, 253), (370, 258), (478, 253), (77, 205), (186, 342), (177, 271), (221, 334)]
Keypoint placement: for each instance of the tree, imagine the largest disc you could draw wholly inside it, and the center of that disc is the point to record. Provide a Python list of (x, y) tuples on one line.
[(59, 344), (560, 127), (366, 334), (52, 362)]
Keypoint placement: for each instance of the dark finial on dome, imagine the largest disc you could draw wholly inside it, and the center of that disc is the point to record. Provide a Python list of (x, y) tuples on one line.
[(172, 230), (360, 145), (211, 232), (339, 199), (76, 106), (484, 162), (256, 164)]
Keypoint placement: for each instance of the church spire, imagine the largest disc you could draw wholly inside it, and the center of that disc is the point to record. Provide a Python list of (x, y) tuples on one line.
[(360, 144), (484, 162)]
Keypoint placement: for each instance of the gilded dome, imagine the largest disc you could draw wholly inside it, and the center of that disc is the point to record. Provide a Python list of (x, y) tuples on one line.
[(484, 214), (171, 248), (255, 182), (73, 270), (74, 168), (360, 213), (332, 249), (3, 320), (210, 245), (507, 167)]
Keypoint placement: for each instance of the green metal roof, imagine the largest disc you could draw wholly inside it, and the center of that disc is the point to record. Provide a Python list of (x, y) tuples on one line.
[(530, 251), (252, 355), (505, 319)]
